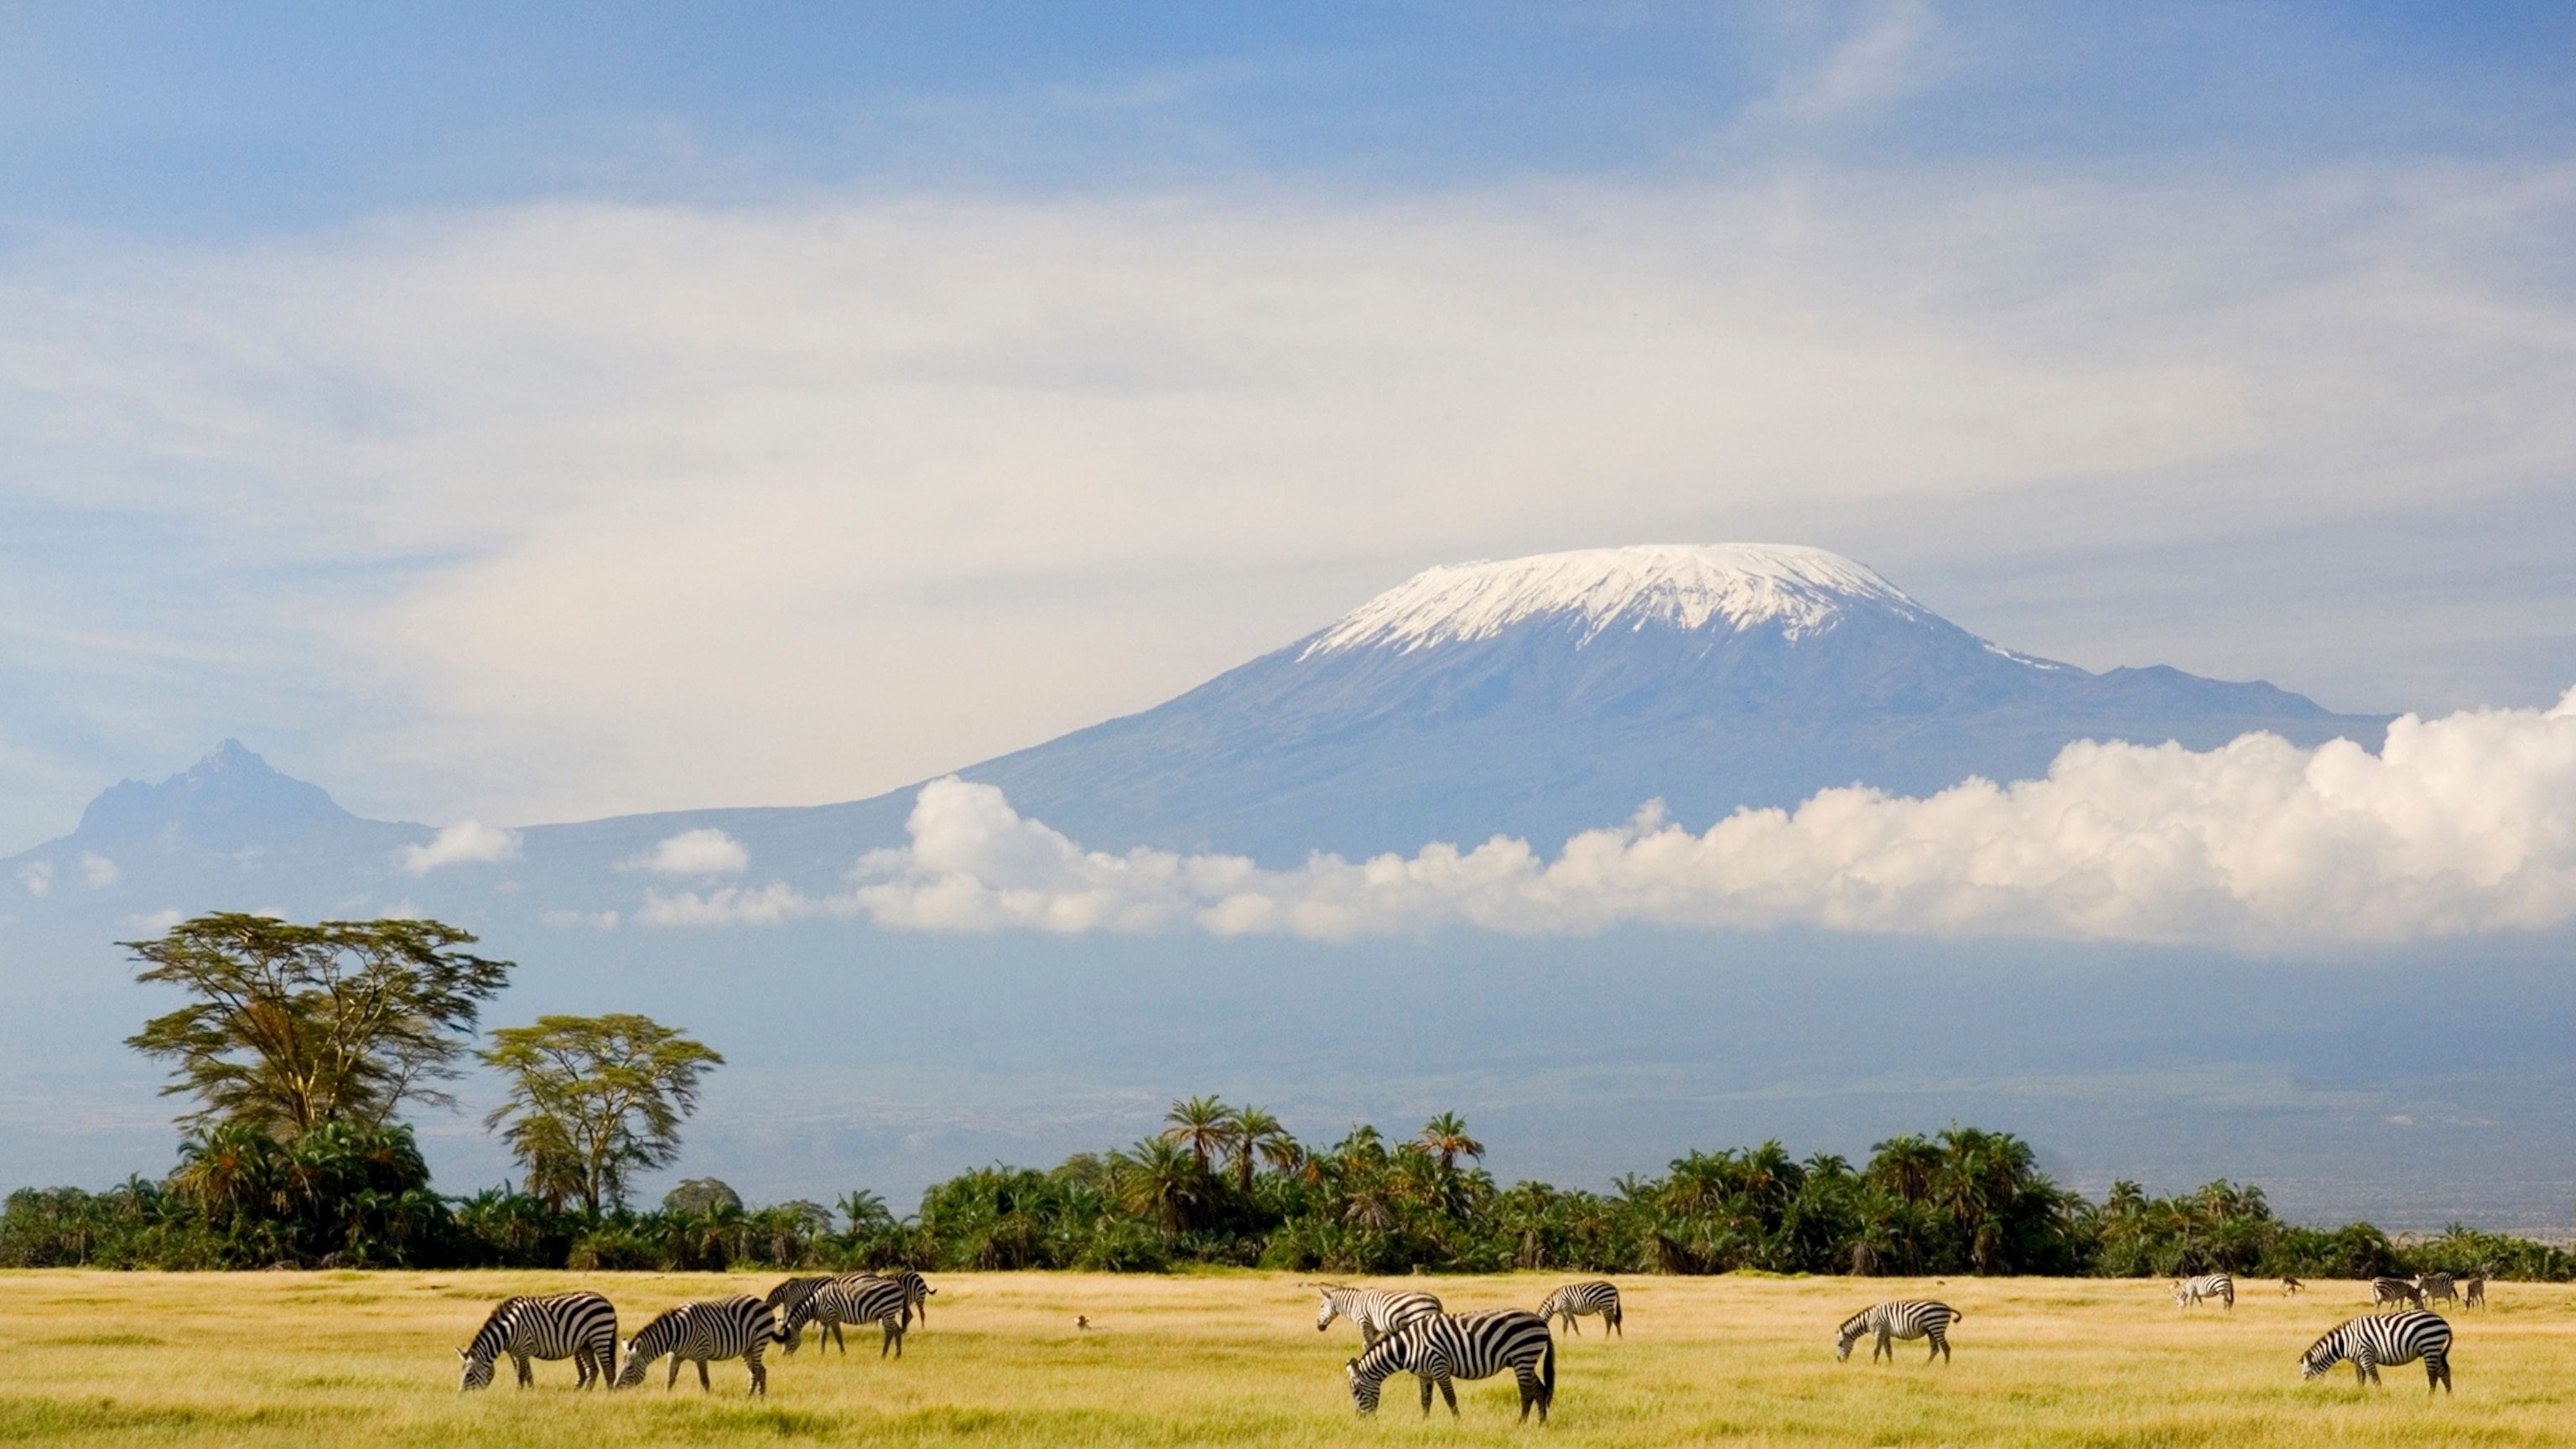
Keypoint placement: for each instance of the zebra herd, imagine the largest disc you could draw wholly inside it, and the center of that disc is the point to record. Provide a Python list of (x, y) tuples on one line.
[(1401, 1331), (582, 1326), (1409, 1331)]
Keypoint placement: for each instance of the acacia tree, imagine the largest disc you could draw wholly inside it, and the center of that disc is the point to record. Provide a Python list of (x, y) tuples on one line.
[(294, 1028), (593, 1099)]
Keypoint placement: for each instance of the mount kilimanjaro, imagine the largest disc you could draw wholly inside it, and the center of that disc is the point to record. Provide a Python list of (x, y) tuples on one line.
[(1533, 697)]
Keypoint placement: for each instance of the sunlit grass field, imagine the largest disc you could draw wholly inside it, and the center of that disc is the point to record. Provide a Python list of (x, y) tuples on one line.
[(308, 1359)]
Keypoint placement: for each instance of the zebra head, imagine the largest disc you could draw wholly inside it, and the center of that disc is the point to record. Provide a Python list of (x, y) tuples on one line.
[(478, 1371), (2182, 1295), (2321, 1355), (1364, 1390), (1552, 1305), (636, 1363), (1849, 1334), (1332, 1305)]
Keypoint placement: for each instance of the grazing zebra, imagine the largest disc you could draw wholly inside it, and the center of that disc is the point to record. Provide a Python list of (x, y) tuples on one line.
[(1377, 1311), (857, 1298), (2290, 1286), (2436, 1287), (1576, 1299), (2473, 1291), (1444, 1347), (916, 1292), (783, 1301), (2394, 1290), (2188, 1292), (2389, 1338), (712, 1328), (1903, 1318), (579, 1326)]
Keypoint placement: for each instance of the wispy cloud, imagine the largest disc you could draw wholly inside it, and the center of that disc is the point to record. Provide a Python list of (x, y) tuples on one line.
[(1879, 61), (584, 532), (468, 842), (2460, 825)]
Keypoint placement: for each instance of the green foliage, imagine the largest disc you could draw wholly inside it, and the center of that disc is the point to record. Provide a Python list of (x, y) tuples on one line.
[(593, 1100), (1958, 1201), (292, 1028)]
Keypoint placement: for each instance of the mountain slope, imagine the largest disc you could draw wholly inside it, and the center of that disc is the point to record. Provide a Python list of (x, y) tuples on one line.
[(1542, 696)]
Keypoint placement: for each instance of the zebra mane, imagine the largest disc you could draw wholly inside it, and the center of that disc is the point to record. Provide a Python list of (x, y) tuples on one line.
[(491, 1325)]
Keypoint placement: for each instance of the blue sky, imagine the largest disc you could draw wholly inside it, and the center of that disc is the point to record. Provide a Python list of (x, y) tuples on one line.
[(534, 411)]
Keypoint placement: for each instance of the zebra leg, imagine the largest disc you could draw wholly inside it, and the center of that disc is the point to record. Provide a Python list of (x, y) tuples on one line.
[(705, 1383), (1528, 1378), (1938, 1348), (893, 1339), (2437, 1372), (675, 1375), (1447, 1393), (1610, 1323), (759, 1371), (527, 1376), (1426, 1395), (1886, 1345)]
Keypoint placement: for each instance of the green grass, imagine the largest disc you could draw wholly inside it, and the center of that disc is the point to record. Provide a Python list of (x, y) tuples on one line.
[(305, 1359)]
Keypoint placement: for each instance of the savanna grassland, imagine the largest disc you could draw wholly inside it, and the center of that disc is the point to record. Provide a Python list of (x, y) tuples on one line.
[(1234, 1358)]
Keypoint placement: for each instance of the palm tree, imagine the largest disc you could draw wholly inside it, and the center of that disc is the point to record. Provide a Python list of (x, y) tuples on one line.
[(1445, 1137), (1161, 1182), (1259, 1135), (1204, 1125)]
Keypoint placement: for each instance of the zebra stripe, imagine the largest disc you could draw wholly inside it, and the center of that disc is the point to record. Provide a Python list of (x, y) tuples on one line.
[(580, 1326), (1902, 1318), (1444, 1347), (2473, 1291), (700, 1332), (2436, 1287), (2385, 1338), (1576, 1299), (2190, 1292), (854, 1299), (2394, 1290), (1377, 1311), (916, 1292)]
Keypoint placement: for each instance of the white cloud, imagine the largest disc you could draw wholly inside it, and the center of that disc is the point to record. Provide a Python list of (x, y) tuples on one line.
[(735, 906), (468, 842), (693, 852), (2460, 825), (97, 871), (157, 922), (38, 877), (564, 920)]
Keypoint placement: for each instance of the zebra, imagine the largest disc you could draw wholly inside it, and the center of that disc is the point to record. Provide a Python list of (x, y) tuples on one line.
[(709, 1329), (784, 1300), (2188, 1292), (2473, 1291), (1377, 1311), (580, 1326), (2395, 1290), (856, 1298), (2436, 1287), (916, 1292), (1576, 1299), (1443, 1347), (2385, 1338), (1902, 1318)]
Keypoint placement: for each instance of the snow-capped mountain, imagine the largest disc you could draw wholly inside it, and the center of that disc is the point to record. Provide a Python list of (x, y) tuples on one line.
[(1541, 696), (1534, 697)]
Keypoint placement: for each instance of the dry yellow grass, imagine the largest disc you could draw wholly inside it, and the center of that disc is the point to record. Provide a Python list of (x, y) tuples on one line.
[(348, 1358)]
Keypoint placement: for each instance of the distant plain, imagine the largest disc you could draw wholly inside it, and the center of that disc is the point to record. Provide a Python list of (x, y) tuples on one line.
[(1233, 1358)]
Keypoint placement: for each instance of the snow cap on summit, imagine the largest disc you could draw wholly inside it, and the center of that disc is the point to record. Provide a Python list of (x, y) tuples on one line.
[(1684, 586)]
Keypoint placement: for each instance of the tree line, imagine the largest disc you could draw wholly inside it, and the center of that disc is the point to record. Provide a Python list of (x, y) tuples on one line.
[(299, 1045)]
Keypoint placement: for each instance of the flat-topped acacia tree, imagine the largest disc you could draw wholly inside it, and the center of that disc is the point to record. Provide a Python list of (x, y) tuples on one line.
[(594, 1099), (291, 1028)]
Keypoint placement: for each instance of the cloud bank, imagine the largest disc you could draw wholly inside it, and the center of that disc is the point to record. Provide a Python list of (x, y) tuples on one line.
[(468, 842), (2460, 825)]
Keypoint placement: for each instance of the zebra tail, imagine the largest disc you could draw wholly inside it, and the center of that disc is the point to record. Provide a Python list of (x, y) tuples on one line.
[(1547, 1371)]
